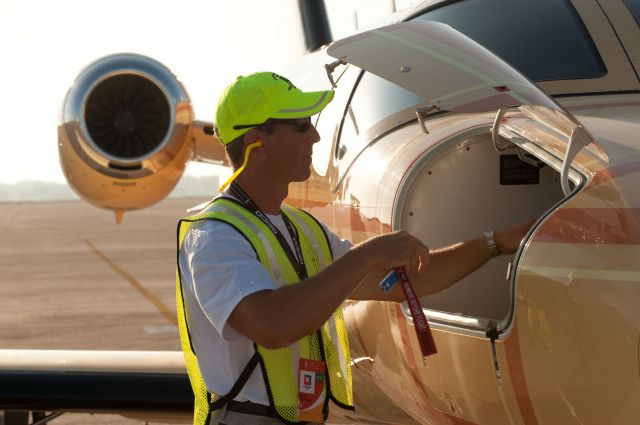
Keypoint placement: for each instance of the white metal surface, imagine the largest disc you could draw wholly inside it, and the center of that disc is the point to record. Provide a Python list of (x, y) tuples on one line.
[(93, 361)]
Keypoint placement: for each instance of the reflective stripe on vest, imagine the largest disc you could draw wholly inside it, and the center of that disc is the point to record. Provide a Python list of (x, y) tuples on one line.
[(279, 366)]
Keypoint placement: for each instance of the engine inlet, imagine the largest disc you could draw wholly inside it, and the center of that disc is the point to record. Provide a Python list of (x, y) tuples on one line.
[(127, 116)]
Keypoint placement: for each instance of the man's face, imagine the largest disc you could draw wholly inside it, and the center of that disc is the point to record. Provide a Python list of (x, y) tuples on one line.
[(290, 147)]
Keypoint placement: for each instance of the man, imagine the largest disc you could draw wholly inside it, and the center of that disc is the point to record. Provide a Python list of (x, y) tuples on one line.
[(261, 283)]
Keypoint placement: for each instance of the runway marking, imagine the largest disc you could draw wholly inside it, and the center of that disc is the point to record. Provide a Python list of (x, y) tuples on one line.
[(162, 308)]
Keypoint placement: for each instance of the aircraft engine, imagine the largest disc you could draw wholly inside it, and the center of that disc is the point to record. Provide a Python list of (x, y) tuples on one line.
[(124, 133)]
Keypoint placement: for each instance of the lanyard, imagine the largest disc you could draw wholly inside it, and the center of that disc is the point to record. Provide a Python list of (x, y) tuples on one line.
[(296, 259), (423, 332)]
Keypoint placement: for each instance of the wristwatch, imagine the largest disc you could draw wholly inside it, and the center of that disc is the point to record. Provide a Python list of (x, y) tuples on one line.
[(490, 238)]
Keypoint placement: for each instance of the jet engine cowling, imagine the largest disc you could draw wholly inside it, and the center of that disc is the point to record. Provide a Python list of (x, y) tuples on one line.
[(124, 133)]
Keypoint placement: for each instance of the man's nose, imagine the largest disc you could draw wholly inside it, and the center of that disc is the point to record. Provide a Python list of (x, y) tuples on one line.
[(314, 135)]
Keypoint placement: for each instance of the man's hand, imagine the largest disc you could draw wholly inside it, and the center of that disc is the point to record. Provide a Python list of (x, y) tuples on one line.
[(396, 249), (508, 239)]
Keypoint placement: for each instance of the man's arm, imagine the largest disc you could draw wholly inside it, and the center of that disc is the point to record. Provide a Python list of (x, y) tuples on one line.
[(446, 265), (280, 317), (277, 318)]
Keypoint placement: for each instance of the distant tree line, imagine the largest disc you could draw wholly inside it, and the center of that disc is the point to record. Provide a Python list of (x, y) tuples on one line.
[(42, 191)]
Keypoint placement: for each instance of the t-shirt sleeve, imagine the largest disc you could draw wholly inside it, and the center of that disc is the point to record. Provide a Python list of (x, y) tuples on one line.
[(223, 269), (339, 246)]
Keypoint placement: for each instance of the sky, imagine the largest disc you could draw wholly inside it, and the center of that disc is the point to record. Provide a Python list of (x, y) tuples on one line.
[(44, 44)]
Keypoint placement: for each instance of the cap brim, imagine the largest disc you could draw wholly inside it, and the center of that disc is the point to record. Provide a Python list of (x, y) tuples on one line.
[(304, 104)]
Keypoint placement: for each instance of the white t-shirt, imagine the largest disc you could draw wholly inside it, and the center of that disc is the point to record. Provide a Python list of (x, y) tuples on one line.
[(218, 269)]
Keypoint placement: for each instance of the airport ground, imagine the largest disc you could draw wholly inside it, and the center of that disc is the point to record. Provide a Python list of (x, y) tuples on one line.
[(71, 278)]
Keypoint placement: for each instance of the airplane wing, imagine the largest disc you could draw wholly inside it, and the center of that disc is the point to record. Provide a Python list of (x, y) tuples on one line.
[(149, 384)]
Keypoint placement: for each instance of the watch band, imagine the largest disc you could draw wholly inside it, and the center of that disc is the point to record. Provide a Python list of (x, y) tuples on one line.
[(490, 239)]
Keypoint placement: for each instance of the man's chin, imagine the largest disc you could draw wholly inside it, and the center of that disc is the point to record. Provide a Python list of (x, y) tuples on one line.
[(303, 177)]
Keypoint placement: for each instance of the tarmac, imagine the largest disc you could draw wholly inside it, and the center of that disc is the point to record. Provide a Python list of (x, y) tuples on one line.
[(71, 278)]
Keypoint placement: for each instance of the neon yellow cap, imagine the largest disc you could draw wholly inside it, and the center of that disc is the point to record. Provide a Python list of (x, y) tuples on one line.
[(253, 99)]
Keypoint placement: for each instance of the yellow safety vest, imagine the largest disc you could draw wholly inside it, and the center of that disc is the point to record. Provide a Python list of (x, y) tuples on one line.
[(279, 366)]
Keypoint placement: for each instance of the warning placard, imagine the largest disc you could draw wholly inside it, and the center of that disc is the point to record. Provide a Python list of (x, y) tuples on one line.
[(515, 171)]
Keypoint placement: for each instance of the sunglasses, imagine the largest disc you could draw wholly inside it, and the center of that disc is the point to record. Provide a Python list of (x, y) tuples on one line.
[(301, 124)]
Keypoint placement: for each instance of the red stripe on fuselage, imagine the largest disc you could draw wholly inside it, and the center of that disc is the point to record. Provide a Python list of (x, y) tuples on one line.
[(518, 380), (411, 360), (620, 226)]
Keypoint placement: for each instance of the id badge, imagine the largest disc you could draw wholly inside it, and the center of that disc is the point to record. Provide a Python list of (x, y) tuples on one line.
[(311, 381)]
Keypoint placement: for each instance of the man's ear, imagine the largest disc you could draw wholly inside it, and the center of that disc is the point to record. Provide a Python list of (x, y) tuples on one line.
[(252, 136)]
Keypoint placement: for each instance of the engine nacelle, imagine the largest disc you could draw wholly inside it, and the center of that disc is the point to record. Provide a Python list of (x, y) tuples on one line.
[(124, 133)]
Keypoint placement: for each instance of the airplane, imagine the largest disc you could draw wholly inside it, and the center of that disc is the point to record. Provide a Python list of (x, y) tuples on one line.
[(457, 117)]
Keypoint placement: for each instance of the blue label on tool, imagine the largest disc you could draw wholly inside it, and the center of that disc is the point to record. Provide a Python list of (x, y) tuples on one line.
[(389, 281)]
